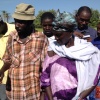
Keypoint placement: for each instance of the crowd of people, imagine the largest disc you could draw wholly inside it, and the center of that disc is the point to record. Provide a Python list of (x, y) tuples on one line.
[(60, 63)]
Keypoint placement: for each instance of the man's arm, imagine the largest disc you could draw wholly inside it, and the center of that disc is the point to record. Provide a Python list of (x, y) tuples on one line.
[(85, 93), (3, 69), (49, 92), (78, 34)]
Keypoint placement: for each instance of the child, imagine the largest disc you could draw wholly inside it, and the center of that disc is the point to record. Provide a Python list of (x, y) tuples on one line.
[(96, 41)]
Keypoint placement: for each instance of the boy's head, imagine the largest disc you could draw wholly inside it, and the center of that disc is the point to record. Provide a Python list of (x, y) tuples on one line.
[(46, 22)]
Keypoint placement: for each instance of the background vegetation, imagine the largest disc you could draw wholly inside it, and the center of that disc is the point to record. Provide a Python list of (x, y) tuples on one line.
[(93, 22)]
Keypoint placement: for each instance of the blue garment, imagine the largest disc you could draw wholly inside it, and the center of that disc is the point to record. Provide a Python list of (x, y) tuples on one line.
[(92, 95), (89, 31), (96, 42)]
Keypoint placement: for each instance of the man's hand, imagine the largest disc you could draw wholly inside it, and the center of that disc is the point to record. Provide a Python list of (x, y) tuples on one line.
[(88, 39), (1, 77), (78, 34)]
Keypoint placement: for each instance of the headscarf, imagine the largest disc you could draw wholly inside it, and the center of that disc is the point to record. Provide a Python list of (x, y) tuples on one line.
[(64, 18)]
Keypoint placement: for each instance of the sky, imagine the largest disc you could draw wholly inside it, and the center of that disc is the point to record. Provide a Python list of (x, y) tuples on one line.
[(63, 5)]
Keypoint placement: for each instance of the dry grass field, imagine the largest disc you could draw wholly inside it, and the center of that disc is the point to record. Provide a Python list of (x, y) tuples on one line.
[(39, 29)]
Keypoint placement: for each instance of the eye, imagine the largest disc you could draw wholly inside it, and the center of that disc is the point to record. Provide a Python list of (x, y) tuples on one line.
[(55, 28)]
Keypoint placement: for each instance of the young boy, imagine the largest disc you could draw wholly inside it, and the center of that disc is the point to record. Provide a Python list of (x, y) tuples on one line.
[(96, 41)]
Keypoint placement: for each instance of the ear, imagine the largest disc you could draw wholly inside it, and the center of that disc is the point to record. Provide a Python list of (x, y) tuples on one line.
[(76, 15)]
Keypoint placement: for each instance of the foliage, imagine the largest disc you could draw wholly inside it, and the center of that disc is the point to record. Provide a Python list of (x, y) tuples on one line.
[(93, 22), (95, 18), (5, 15), (37, 21), (39, 29)]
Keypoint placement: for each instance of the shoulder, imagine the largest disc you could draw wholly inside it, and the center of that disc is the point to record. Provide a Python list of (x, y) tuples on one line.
[(11, 27), (40, 36), (51, 53), (12, 35), (92, 29)]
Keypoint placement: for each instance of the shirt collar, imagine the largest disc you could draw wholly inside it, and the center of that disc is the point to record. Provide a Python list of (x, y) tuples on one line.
[(82, 31), (33, 35)]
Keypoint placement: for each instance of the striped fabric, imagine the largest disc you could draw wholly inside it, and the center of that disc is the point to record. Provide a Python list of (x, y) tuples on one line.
[(26, 59), (60, 73)]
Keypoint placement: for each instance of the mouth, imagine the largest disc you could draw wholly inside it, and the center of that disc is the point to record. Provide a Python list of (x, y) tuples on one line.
[(18, 31), (48, 33)]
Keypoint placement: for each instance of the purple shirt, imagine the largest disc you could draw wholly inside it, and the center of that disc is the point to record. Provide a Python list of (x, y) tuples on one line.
[(89, 31)]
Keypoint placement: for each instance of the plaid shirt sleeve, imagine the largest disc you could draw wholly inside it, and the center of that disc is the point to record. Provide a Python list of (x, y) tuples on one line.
[(44, 51), (7, 54)]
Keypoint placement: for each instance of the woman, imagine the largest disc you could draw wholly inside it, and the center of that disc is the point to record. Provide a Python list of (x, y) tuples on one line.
[(71, 67)]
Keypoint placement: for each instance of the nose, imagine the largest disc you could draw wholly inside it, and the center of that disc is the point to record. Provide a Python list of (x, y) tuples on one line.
[(84, 22), (47, 27)]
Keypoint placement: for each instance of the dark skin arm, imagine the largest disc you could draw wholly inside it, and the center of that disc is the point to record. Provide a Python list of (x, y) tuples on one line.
[(85, 93), (3, 69), (46, 92), (80, 35), (42, 95), (49, 92)]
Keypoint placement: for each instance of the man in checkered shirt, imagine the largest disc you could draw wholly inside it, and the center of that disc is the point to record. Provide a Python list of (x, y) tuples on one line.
[(24, 54)]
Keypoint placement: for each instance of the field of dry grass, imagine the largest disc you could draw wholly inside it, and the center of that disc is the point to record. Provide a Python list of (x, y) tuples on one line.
[(39, 29)]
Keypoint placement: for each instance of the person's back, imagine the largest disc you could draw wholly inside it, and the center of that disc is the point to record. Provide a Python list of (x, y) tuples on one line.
[(83, 16), (5, 29)]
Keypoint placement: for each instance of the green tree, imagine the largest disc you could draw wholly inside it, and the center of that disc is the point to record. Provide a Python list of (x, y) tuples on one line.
[(5, 15), (95, 18)]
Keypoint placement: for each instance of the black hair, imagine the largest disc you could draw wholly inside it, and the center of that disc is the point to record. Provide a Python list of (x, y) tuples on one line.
[(98, 23), (46, 15), (84, 8)]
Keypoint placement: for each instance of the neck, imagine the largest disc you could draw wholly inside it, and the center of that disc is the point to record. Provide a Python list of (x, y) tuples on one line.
[(70, 42), (26, 33)]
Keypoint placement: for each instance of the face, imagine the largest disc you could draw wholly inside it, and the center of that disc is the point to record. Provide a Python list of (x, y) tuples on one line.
[(1, 27), (83, 19), (98, 30), (62, 37), (22, 27), (47, 27)]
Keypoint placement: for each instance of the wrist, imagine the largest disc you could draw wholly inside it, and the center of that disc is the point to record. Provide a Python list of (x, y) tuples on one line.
[(79, 98), (1, 71)]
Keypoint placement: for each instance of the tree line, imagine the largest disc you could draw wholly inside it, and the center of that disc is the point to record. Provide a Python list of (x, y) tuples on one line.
[(93, 22)]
